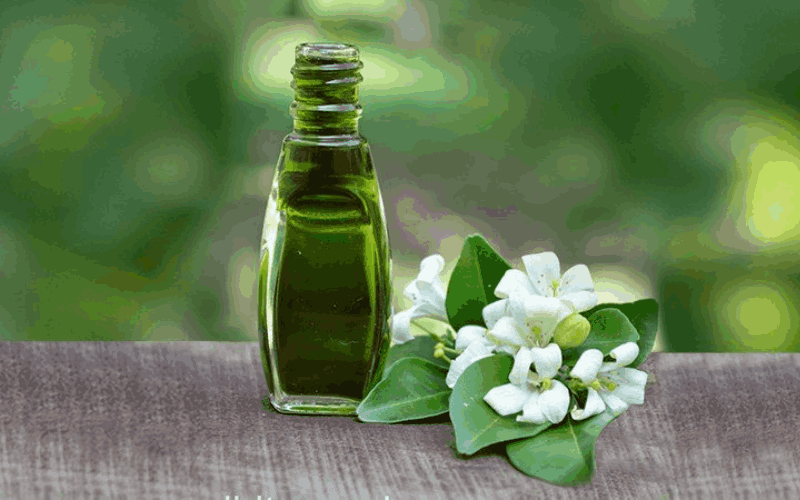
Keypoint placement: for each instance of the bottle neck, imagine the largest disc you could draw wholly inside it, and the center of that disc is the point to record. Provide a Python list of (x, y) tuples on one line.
[(326, 78)]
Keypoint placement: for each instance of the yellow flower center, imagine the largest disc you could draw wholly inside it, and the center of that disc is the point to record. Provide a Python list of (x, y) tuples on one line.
[(536, 333), (596, 384)]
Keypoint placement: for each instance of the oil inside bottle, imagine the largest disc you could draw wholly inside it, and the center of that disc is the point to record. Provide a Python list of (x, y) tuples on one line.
[(325, 296)]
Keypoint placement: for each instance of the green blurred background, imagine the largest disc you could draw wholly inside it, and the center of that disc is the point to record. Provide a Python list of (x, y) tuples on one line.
[(654, 140)]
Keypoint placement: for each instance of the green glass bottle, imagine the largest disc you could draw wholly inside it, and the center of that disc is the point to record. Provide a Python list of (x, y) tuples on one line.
[(325, 266)]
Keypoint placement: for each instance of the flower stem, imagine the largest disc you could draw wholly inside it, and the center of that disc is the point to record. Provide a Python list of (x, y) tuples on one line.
[(447, 339), (446, 349)]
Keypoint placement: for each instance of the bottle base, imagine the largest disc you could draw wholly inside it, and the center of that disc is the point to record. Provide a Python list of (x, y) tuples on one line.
[(315, 405)]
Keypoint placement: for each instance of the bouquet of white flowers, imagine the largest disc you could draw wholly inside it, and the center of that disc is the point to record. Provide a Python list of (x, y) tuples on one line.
[(535, 361)]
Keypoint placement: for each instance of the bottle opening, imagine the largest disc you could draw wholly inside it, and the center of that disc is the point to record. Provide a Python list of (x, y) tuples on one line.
[(326, 51)]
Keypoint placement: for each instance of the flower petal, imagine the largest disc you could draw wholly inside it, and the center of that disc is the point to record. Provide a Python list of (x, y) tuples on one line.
[(522, 366), (547, 360), (494, 311), (477, 350), (411, 291), (614, 404), (513, 282), (531, 411), (507, 348), (428, 306), (468, 334), (507, 399), (579, 301), (542, 315), (630, 385), (594, 405), (543, 269), (624, 355), (576, 279), (516, 309), (432, 297), (536, 305), (587, 366), (506, 331), (427, 287), (554, 402), (401, 324), (430, 267)]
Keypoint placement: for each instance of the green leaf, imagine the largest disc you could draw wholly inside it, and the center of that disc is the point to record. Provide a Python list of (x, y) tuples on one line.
[(471, 286), (610, 329), (420, 348), (643, 314), (414, 388), (563, 454), (476, 424)]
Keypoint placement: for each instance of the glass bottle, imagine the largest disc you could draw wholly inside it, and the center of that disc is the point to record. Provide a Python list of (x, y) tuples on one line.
[(325, 264)]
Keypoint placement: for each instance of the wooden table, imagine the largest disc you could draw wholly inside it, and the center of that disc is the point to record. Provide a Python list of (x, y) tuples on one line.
[(143, 420)]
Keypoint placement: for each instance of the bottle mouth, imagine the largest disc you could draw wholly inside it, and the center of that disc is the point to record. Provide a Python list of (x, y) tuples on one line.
[(326, 52), (326, 63)]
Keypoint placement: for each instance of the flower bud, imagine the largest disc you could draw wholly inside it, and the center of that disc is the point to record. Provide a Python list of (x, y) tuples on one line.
[(572, 331)]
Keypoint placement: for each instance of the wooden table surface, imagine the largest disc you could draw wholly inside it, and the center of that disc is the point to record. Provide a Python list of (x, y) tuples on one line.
[(141, 420)]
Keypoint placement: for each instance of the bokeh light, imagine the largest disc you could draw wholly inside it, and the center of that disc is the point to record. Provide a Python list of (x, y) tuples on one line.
[(267, 55), (761, 145), (170, 166), (617, 284), (756, 315), (653, 16), (773, 207), (57, 70), (390, 9), (407, 20), (161, 320), (573, 165), (58, 85)]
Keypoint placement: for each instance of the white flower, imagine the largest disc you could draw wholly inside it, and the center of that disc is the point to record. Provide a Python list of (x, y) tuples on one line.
[(619, 387), (428, 295), (537, 395), (539, 315), (541, 298), (575, 288), (536, 316), (475, 345), (520, 319)]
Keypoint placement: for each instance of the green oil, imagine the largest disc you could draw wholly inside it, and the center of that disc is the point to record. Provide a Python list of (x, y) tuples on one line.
[(324, 281), (326, 292)]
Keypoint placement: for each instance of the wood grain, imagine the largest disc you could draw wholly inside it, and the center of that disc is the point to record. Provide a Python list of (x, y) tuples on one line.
[(185, 420)]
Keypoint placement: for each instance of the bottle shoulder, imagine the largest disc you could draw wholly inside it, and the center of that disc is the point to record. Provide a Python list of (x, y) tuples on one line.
[(322, 160)]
